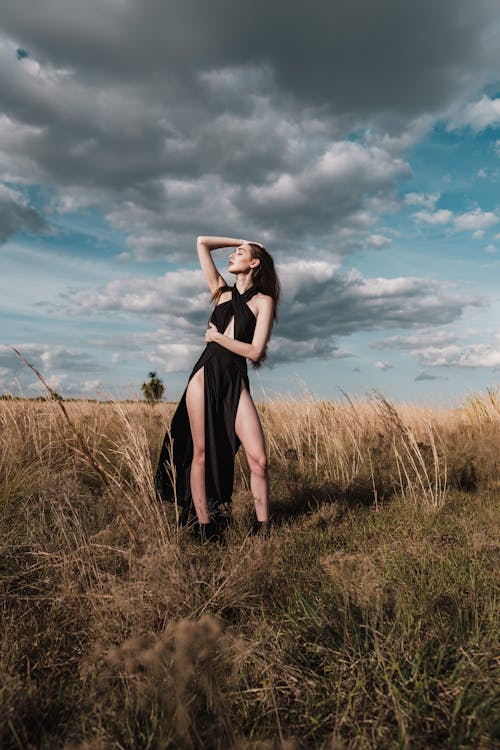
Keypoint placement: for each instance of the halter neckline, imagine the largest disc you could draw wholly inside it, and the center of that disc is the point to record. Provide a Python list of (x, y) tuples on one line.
[(248, 292)]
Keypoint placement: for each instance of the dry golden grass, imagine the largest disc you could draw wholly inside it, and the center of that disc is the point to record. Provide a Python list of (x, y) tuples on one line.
[(368, 618)]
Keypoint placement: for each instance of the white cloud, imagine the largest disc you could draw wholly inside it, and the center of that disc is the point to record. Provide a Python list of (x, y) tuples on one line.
[(55, 381), (476, 220), (8, 193), (416, 341), (341, 191), (174, 357), (91, 386), (490, 248), (442, 349), (30, 66), (441, 216), (471, 355), (181, 293), (426, 200), (344, 164), (380, 365), (478, 115), (379, 240)]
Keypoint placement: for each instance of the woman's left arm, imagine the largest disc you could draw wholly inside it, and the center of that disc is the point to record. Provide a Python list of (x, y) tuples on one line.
[(261, 334)]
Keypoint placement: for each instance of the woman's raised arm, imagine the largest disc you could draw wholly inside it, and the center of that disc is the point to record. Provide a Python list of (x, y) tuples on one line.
[(204, 246)]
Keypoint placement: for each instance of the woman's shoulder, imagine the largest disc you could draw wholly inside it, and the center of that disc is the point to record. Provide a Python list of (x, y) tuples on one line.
[(264, 304), (224, 295), (265, 299)]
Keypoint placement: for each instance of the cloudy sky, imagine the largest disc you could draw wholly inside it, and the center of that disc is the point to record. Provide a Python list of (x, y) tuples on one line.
[(359, 140)]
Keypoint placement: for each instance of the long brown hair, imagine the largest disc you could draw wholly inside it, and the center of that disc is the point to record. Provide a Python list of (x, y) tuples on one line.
[(266, 280)]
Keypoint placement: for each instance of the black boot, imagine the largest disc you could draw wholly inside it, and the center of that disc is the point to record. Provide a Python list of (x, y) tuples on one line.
[(207, 532), (260, 528)]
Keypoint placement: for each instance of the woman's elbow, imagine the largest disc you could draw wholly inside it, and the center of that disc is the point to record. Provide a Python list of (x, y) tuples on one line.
[(255, 354)]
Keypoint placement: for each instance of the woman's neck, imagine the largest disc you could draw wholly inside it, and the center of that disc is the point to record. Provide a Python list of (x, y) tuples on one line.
[(243, 283)]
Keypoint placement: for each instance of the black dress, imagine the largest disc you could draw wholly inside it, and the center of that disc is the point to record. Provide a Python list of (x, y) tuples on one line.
[(225, 374)]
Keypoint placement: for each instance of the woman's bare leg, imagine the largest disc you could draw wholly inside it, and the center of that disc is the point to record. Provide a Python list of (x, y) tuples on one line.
[(195, 403), (249, 431)]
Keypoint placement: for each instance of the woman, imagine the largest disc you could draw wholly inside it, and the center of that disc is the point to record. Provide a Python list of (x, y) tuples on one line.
[(216, 413)]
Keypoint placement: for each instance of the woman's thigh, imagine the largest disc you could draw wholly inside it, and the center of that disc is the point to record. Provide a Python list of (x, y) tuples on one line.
[(248, 428), (195, 403)]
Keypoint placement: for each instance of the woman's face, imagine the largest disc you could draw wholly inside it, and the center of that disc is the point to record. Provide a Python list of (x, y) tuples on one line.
[(240, 258)]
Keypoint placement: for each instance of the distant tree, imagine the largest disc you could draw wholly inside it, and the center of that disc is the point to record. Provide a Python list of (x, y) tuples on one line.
[(153, 390)]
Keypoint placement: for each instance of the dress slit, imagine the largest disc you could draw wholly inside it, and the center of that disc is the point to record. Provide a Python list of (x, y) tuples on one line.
[(204, 405)]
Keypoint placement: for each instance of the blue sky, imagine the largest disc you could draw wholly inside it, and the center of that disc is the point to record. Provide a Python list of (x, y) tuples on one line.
[(374, 185)]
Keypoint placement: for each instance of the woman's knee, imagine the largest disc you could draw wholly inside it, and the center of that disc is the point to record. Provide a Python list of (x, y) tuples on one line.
[(258, 464), (199, 456)]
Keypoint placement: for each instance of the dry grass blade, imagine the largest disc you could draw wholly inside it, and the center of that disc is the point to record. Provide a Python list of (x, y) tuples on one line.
[(107, 479)]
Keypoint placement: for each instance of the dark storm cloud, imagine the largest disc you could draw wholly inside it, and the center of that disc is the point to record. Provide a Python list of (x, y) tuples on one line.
[(184, 117), (347, 303), (320, 305), (365, 57)]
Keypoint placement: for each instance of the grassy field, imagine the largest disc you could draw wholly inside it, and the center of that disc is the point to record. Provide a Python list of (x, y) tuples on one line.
[(367, 619)]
